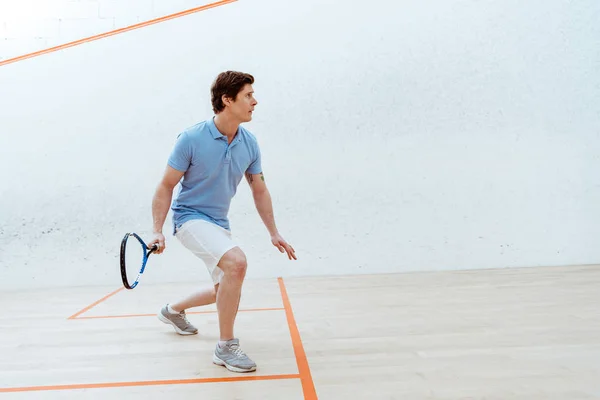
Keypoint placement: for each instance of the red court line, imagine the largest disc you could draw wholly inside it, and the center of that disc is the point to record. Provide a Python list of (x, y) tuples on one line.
[(116, 31), (188, 312), (94, 304), (308, 386), (148, 383)]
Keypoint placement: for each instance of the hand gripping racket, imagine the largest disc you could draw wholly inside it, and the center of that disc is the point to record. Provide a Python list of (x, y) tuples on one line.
[(134, 256)]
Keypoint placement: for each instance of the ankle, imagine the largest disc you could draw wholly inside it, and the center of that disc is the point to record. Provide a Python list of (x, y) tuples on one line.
[(172, 310)]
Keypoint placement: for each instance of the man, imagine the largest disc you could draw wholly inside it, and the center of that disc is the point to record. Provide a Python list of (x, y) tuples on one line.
[(212, 157)]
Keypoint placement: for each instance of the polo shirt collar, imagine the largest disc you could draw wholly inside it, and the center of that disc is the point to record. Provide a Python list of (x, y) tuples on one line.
[(218, 135), (213, 129)]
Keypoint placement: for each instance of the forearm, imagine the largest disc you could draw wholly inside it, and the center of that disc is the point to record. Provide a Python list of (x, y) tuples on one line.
[(160, 207), (264, 206)]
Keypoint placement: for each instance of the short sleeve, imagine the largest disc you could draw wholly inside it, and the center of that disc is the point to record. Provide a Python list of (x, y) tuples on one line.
[(255, 166), (181, 155)]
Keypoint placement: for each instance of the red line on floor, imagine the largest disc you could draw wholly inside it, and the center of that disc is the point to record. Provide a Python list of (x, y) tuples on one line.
[(308, 386), (94, 304), (148, 383)]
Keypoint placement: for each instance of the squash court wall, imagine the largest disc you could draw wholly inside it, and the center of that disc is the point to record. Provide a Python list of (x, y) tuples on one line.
[(396, 136)]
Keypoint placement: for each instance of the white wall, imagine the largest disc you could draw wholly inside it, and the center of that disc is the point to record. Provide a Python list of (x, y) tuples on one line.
[(31, 25), (443, 136)]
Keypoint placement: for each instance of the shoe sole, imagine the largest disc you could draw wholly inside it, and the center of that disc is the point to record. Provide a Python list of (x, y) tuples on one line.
[(167, 321), (218, 361)]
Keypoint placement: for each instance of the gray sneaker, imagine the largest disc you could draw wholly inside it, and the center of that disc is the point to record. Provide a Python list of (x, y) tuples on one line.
[(179, 321), (233, 358)]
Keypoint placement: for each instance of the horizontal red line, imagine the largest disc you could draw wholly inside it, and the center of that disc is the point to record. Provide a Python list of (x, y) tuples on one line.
[(148, 383), (187, 312), (116, 31)]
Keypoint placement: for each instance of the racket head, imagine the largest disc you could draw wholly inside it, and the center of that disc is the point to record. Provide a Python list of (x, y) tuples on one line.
[(133, 258)]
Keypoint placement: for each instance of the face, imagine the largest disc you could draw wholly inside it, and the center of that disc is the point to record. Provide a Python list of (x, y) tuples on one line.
[(243, 106)]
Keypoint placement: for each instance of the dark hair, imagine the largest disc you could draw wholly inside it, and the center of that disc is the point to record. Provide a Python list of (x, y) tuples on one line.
[(228, 83)]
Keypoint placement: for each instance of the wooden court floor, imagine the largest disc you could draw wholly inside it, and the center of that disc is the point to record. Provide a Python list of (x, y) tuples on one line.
[(531, 333)]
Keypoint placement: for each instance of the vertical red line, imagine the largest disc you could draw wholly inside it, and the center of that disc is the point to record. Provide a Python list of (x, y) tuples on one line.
[(308, 386)]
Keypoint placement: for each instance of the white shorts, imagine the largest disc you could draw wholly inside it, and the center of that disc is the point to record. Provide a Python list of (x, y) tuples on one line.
[(208, 241)]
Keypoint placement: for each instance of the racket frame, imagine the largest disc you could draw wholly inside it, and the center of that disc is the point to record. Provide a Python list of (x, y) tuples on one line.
[(146, 251)]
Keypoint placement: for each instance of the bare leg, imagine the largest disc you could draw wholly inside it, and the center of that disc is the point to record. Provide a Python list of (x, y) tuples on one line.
[(200, 298), (234, 265)]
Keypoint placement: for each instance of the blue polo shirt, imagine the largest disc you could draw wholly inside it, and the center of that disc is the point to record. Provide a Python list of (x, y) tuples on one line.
[(213, 169)]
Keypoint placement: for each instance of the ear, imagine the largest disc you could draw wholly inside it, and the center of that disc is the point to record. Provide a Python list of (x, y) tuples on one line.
[(226, 100)]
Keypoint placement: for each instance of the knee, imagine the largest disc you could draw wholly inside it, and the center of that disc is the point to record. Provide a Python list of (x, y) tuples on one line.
[(235, 265), (238, 270)]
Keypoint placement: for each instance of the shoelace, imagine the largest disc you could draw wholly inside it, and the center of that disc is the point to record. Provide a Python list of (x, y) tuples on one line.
[(235, 349), (183, 317)]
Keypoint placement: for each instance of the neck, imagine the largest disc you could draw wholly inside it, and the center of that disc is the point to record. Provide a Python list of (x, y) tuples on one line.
[(226, 125)]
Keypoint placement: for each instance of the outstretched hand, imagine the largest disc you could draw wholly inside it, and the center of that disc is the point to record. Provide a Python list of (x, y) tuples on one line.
[(283, 246)]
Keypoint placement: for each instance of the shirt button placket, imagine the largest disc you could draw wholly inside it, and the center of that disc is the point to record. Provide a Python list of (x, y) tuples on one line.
[(227, 152)]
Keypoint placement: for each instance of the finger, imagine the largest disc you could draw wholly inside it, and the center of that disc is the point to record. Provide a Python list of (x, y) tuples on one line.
[(290, 252)]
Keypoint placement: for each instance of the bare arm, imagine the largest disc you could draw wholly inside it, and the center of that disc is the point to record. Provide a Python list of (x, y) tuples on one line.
[(262, 200), (264, 206), (161, 202)]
